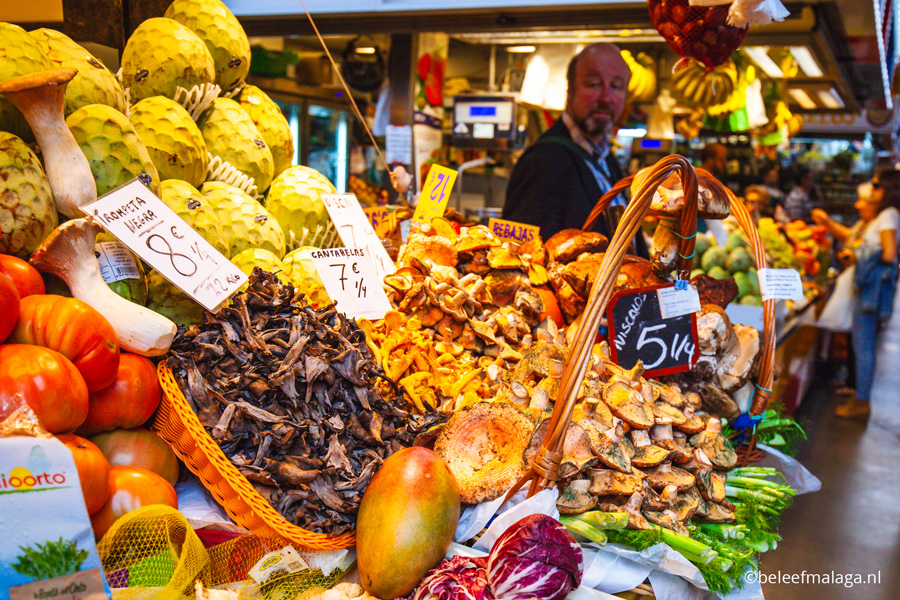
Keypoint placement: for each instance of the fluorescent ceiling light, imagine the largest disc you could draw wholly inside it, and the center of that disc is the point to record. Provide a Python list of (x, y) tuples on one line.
[(520, 49), (806, 61), (760, 55), (365, 50), (561, 37), (637, 132), (802, 99), (830, 99)]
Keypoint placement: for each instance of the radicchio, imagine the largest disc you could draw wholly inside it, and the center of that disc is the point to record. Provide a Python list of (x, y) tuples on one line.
[(536, 557), (458, 578)]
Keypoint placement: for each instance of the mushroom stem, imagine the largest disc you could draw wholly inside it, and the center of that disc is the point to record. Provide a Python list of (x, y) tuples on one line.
[(69, 254), (40, 97)]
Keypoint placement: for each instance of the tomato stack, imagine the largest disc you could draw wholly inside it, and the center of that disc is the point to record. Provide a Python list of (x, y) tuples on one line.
[(60, 362)]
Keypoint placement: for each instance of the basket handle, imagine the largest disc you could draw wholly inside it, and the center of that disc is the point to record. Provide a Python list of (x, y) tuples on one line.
[(545, 468)]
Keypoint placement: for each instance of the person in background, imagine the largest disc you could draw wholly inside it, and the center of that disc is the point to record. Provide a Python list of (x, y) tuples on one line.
[(874, 251), (757, 198), (713, 158), (559, 179), (798, 204), (771, 181)]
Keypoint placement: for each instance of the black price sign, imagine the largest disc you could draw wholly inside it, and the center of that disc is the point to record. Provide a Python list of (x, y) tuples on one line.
[(638, 331)]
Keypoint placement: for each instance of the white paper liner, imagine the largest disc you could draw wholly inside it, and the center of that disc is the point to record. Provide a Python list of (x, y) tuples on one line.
[(222, 170), (198, 98)]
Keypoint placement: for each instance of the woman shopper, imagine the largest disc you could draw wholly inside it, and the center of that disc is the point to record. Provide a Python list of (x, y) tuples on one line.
[(875, 256)]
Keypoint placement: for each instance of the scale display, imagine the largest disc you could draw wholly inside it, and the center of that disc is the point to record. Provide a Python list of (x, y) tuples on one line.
[(483, 121)]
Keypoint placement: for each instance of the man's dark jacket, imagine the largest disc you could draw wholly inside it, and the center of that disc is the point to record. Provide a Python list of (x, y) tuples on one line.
[(553, 187)]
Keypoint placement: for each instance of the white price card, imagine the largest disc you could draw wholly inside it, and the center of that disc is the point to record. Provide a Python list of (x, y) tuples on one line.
[(116, 262), (152, 230), (780, 284), (356, 230), (674, 302), (351, 280)]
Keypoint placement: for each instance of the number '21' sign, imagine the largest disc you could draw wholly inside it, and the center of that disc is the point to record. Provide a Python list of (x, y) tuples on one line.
[(435, 193), (637, 331)]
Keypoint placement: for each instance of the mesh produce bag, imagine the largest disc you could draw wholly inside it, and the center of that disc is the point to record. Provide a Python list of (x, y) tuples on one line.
[(699, 32), (153, 553)]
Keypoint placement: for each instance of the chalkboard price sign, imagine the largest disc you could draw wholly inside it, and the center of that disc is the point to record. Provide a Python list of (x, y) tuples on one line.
[(638, 331)]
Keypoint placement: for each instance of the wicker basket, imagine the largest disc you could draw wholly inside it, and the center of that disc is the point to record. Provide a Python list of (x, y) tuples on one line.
[(544, 470), (177, 423)]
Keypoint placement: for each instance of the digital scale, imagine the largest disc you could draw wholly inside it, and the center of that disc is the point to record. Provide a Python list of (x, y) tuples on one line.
[(647, 151), (484, 121)]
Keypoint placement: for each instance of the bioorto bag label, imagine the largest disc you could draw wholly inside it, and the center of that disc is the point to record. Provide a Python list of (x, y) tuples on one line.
[(47, 549)]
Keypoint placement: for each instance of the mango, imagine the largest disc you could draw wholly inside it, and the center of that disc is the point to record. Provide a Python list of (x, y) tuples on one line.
[(406, 522)]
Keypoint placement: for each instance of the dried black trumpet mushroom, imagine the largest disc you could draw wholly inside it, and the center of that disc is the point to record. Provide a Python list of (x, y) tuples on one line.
[(287, 391)]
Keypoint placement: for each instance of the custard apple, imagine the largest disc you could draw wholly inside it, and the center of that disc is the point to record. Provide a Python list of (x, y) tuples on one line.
[(245, 222), (172, 139), (162, 55), (266, 260), (20, 54), (171, 302), (232, 136), (272, 125), (295, 200), (27, 210), (112, 147), (189, 204), (297, 268), (221, 32), (94, 83)]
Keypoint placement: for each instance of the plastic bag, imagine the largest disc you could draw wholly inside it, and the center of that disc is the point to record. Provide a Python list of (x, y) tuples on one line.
[(744, 13), (838, 312)]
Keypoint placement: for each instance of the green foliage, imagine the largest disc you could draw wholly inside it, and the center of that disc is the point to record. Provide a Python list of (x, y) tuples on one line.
[(50, 559)]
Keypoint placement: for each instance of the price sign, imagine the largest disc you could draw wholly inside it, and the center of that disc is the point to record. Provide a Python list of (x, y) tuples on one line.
[(435, 193), (152, 230), (379, 218), (351, 281), (356, 231), (639, 331), (780, 284), (510, 230), (675, 301)]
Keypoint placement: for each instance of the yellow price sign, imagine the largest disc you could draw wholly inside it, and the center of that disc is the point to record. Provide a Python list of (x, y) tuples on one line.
[(511, 230), (435, 194), (379, 217)]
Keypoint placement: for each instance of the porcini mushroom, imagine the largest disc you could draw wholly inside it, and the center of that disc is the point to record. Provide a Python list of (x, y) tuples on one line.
[(41, 98), (68, 253)]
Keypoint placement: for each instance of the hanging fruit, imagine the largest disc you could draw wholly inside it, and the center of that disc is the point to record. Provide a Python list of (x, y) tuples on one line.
[(697, 32)]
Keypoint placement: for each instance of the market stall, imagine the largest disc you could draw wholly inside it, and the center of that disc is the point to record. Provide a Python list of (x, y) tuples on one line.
[(261, 395)]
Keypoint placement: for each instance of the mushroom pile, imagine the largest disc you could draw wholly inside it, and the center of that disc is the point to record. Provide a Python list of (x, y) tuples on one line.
[(465, 310)]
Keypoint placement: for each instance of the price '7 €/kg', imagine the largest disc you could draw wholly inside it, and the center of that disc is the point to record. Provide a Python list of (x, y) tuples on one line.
[(137, 218)]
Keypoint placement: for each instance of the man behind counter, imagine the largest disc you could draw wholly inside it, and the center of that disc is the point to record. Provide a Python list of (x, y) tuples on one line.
[(560, 178)]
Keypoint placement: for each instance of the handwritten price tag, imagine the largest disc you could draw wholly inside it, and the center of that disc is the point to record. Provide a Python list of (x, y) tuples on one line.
[(356, 230), (435, 194), (379, 217), (351, 280), (152, 230), (511, 230)]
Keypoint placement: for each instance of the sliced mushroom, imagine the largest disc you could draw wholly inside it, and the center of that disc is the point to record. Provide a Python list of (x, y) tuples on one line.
[(575, 498), (665, 474), (577, 452), (646, 455), (687, 503), (714, 445), (719, 513), (629, 405), (607, 481), (737, 357)]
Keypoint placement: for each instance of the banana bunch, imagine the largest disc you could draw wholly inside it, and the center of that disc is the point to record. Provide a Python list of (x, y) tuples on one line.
[(690, 126), (738, 98), (779, 116), (642, 86), (697, 87)]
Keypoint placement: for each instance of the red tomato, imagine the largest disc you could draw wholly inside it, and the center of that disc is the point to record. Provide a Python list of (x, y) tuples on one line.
[(138, 447), (129, 401), (46, 381), (9, 306), (93, 470), (130, 488), (74, 329), (26, 278)]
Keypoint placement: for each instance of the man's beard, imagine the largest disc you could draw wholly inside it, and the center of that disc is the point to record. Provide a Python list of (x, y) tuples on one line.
[(597, 123)]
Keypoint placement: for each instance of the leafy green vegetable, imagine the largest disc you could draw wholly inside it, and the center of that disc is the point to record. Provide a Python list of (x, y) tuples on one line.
[(50, 559)]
